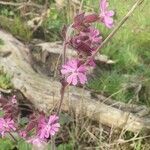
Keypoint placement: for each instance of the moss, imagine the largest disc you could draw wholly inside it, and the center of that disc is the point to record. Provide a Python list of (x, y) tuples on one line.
[(17, 27), (5, 80), (1, 42)]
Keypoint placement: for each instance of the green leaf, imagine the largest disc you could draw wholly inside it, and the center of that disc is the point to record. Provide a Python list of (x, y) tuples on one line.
[(1, 42), (22, 145), (6, 144), (23, 120), (65, 147), (1, 113), (65, 118)]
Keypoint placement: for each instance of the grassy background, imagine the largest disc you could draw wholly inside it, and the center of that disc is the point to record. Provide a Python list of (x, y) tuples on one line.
[(130, 48)]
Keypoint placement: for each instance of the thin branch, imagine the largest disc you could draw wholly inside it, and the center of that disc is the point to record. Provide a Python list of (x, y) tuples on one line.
[(7, 91), (21, 4), (62, 92), (43, 16), (12, 137)]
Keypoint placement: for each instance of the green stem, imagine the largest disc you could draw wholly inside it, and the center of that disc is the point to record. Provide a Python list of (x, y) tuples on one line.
[(62, 92), (12, 137)]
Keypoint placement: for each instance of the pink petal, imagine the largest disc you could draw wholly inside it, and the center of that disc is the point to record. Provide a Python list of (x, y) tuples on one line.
[(82, 68), (66, 69), (108, 20), (47, 134), (42, 134), (110, 13), (52, 132), (91, 63), (97, 40), (69, 79), (72, 79), (56, 125), (73, 63), (82, 78), (103, 4), (53, 118), (109, 26), (55, 129)]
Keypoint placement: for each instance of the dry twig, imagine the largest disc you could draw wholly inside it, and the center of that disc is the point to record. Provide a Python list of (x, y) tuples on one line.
[(21, 4)]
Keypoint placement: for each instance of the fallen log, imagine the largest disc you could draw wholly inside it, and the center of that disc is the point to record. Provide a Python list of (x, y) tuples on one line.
[(44, 92)]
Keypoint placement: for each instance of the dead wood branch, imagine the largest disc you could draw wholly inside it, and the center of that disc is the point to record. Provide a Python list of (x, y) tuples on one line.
[(44, 92), (21, 4)]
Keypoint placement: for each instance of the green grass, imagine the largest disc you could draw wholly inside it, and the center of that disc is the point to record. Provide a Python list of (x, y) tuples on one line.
[(54, 24), (130, 48), (6, 144), (1, 42), (5, 80), (17, 27)]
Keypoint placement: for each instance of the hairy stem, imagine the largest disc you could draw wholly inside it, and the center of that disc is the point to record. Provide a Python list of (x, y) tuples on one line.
[(20, 4), (62, 92), (64, 52), (12, 137)]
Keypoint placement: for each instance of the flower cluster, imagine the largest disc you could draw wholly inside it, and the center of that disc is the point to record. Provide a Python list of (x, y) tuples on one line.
[(38, 130), (11, 111), (85, 40), (6, 125), (43, 128), (47, 127)]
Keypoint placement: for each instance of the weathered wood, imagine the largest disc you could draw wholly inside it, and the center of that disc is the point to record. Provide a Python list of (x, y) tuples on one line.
[(56, 48), (44, 93)]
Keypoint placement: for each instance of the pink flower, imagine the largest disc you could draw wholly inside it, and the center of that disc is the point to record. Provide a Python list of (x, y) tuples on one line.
[(6, 125), (91, 63), (75, 72), (23, 134), (81, 43), (86, 41), (14, 100), (82, 22), (106, 15), (47, 127), (94, 35)]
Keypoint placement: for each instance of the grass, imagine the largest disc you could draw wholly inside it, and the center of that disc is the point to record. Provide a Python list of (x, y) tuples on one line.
[(1, 42), (53, 24), (17, 27), (130, 48), (86, 134), (5, 80)]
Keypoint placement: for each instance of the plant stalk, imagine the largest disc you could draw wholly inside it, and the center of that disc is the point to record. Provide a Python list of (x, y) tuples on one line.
[(12, 137), (62, 92)]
